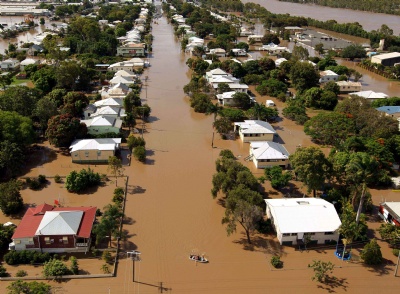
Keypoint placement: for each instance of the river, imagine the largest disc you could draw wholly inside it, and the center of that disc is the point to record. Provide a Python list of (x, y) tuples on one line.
[(370, 21)]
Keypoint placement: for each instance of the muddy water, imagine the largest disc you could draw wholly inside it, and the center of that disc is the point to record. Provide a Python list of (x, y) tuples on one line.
[(172, 213), (369, 21)]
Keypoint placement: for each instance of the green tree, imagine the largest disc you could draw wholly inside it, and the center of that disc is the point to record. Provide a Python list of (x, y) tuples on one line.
[(321, 270), (311, 167), (303, 76), (79, 181), (329, 128), (115, 168), (45, 109), (354, 51), (246, 214), (12, 158), (5, 80), (277, 177), (74, 268), (140, 153), (10, 198), (109, 223), (22, 287), (319, 48), (300, 53), (371, 254), (223, 126), (223, 87), (242, 100), (20, 99), (63, 129), (55, 268), (389, 233), (215, 110)]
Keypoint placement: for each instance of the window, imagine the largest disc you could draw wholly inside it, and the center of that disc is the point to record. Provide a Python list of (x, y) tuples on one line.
[(65, 240), (87, 153), (293, 234), (47, 240), (17, 241), (30, 240), (329, 233), (98, 153), (285, 234), (76, 154)]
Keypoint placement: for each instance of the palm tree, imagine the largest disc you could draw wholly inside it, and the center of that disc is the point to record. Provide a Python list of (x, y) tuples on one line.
[(216, 110)]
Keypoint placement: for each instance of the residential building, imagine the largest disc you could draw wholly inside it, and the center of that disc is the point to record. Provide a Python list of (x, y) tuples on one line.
[(388, 59), (126, 80), (296, 219), (268, 154), (279, 61), (348, 86), (370, 95), (46, 228), (227, 99), (27, 61), (9, 64), (109, 102), (131, 50), (94, 151), (390, 212), (218, 52), (118, 91), (254, 38), (103, 124), (255, 130), (328, 76), (238, 52), (128, 65)]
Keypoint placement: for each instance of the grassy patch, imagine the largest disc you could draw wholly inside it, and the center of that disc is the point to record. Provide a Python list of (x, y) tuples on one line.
[(21, 81)]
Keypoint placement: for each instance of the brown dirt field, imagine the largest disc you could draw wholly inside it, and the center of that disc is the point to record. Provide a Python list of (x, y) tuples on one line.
[(172, 212)]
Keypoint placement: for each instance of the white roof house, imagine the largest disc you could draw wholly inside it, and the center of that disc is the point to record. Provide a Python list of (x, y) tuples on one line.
[(118, 90), (226, 98), (95, 144), (267, 154), (328, 76), (279, 61), (124, 73), (103, 124), (255, 130), (27, 61), (109, 102), (370, 95), (294, 217), (121, 80), (215, 73), (60, 223)]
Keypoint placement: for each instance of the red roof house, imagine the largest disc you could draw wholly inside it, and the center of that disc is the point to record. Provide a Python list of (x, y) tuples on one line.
[(55, 229)]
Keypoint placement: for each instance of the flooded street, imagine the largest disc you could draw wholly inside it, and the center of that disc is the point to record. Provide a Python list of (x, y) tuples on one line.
[(171, 213), (370, 21)]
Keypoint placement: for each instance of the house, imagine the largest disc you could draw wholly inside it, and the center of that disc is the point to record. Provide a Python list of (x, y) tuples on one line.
[(217, 76), (273, 48), (46, 228), (328, 76), (254, 38), (35, 49), (26, 62), (128, 65), (348, 86), (297, 219), (121, 80), (370, 95), (215, 73), (238, 52), (388, 59), (227, 99), (9, 64), (390, 212), (103, 124), (109, 111), (393, 111), (94, 151), (218, 52), (109, 102), (279, 61), (255, 130), (267, 154), (118, 91), (131, 50)]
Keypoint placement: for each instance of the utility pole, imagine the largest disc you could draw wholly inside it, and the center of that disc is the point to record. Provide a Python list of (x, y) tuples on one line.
[(135, 256)]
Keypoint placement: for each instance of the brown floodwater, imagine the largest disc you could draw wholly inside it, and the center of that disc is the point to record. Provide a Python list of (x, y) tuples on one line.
[(171, 212), (370, 21)]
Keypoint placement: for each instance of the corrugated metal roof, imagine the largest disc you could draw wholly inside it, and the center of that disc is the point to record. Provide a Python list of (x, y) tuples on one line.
[(60, 223)]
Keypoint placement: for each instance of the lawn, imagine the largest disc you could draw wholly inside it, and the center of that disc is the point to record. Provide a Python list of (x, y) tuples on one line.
[(26, 82)]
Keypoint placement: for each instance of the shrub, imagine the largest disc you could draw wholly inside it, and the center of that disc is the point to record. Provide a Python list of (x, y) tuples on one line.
[(77, 182), (105, 268), (396, 252), (106, 256), (371, 254), (140, 153), (34, 184), (118, 195), (226, 153), (3, 271), (26, 257), (276, 261), (55, 267), (133, 142), (42, 179), (21, 273), (57, 179), (74, 265)]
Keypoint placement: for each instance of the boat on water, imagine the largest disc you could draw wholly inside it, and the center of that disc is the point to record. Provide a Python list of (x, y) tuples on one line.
[(198, 258)]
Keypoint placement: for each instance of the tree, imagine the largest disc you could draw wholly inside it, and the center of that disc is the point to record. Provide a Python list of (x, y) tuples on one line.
[(244, 213), (109, 223), (45, 109), (371, 254), (261, 112), (389, 233), (55, 268), (215, 110), (242, 100), (329, 128), (79, 181), (300, 53), (16, 128), (6, 233), (276, 176), (319, 48), (5, 80), (74, 265), (303, 76), (133, 142), (223, 126), (10, 198), (63, 129), (115, 167), (223, 87), (140, 153), (12, 158), (22, 287), (321, 270), (310, 166), (20, 99), (354, 51)]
